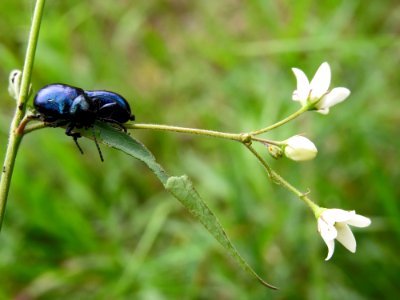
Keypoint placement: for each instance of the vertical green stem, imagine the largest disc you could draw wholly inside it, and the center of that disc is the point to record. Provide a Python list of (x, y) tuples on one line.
[(15, 136)]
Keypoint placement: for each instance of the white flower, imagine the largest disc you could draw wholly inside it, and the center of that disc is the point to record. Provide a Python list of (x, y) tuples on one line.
[(300, 148), (317, 91), (334, 224)]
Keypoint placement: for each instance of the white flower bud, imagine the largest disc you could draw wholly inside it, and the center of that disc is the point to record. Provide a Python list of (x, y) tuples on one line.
[(14, 83), (300, 148)]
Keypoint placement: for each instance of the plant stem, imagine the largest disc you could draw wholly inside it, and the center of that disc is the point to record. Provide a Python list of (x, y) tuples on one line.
[(30, 128), (281, 122), (245, 138), (240, 137), (15, 136), (265, 141), (279, 180)]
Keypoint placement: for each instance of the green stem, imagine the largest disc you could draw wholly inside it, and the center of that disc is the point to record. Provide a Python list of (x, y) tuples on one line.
[(279, 180), (265, 141), (240, 137), (245, 138), (15, 136), (281, 122)]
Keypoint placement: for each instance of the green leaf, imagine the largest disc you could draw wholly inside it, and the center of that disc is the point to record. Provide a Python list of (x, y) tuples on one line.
[(180, 187), (125, 143)]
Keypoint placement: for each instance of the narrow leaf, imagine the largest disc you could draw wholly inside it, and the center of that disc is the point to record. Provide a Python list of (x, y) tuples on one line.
[(182, 188), (124, 142)]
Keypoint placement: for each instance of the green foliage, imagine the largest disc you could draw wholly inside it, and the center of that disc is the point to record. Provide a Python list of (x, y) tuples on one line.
[(78, 228), (180, 187), (123, 142)]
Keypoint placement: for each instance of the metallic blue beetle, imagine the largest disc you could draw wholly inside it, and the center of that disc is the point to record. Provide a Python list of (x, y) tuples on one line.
[(62, 104), (110, 107)]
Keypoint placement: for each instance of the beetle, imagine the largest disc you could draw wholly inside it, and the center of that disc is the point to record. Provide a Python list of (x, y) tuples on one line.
[(62, 104), (110, 107)]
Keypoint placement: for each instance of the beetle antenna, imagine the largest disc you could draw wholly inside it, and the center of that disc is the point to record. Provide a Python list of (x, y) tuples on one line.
[(97, 145)]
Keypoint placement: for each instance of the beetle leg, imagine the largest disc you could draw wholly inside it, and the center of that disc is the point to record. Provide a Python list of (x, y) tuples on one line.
[(115, 124), (110, 119), (75, 136), (97, 144), (57, 123)]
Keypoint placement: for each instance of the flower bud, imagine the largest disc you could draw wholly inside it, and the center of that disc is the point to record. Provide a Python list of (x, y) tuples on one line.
[(14, 83), (300, 148), (275, 151)]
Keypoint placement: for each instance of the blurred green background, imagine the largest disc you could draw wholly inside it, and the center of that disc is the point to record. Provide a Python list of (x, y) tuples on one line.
[(76, 228)]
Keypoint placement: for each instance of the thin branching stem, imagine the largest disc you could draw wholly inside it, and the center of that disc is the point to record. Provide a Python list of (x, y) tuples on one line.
[(244, 138), (275, 177), (240, 137), (281, 122)]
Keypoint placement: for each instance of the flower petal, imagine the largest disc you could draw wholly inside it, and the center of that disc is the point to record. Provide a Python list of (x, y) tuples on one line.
[(321, 81), (331, 248), (303, 86), (334, 215), (359, 221), (323, 111), (334, 97), (328, 232), (346, 237)]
